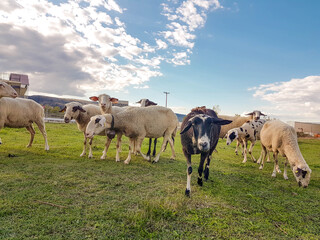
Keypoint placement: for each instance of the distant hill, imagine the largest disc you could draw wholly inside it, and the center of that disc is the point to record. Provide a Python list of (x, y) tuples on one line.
[(56, 102), (60, 102)]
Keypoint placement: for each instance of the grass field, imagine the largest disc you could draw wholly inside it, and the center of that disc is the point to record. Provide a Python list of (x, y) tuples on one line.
[(58, 195)]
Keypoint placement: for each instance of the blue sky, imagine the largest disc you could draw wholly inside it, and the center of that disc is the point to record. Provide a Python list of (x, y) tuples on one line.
[(240, 55)]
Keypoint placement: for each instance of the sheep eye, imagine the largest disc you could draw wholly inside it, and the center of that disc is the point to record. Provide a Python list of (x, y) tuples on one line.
[(97, 120)]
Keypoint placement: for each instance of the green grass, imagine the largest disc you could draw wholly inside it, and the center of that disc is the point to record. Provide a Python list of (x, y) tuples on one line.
[(103, 199)]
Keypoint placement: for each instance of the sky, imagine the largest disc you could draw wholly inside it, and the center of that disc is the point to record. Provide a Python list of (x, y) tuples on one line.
[(238, 56)]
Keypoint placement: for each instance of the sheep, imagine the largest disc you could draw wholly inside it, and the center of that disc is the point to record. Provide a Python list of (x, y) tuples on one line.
[(105, 103), (255, 115), (7, 91), (199, 135), (249, 131), (20, 112), (146, 103), (138, 123), (279, 137), (81, 114)]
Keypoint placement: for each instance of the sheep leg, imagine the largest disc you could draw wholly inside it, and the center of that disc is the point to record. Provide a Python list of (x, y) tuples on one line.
[(275, 156), (84, 146), (285, 170), (154, 147), (238, 143), (263, 156), (165, 139), (189, 173), (42, 129), (245, 144), (138, 148), (32, 133), (268, 160), (200, 169), (106, 147), (250, 151), (149, 150), (131, 146), (206, 170), (173, 155), (90, 148), (119, 137)]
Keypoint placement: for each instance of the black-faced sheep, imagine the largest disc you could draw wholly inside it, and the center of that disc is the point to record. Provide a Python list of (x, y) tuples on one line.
[(281, 138), (199, 135)]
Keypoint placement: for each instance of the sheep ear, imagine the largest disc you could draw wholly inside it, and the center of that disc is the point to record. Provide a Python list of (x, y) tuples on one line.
[(1, 85), (63, 109), (249, 114), (114, 100), (189, 124), (262, 114), (220, 121), (139, 101), (152, 103), (81, 109), (94, 98)]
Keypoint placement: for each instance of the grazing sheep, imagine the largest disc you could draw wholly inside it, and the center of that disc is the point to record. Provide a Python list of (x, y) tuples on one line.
[(249, 131), (199, 135), (279, 137), (146, 103), (20, 112), (138, 123), (81, 114), (7, 91)]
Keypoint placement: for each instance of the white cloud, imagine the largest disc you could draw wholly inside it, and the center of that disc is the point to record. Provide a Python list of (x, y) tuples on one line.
[(297, 99), (184, 20), (70, 48), (74, 47)]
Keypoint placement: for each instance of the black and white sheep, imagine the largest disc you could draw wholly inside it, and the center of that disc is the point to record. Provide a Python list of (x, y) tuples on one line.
[(199, 135), (281, 138), (19, 113), (249, 131)]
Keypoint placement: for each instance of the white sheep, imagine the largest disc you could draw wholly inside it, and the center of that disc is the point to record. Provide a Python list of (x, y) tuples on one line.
[(81, 114), (105, 103), (249, 131), (20, 112), (138, 123), (7, 91), (279, 137)]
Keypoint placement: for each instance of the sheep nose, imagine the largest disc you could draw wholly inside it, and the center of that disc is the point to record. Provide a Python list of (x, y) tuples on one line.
[(204, 144), (15, 95), (66, 120)]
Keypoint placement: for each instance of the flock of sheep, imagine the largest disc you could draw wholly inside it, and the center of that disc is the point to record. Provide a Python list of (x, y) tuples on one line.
[(200, 131)]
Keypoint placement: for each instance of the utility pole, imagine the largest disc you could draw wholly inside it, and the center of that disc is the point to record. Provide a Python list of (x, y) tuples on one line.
[(166, 93)]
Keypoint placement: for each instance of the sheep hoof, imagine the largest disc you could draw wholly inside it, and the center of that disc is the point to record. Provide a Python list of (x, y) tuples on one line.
[(28, 146), (200, 183), (103, 157), (82, 154), (261, 167), (285, 177), (273, 175), (153, 162), (126, 162), (90, 156), (187, 192), (117, 160)]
